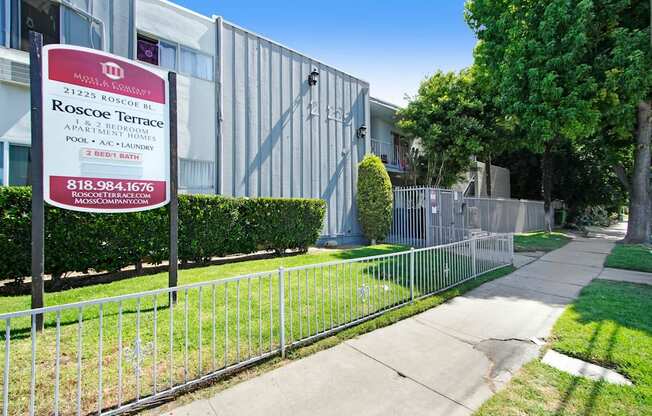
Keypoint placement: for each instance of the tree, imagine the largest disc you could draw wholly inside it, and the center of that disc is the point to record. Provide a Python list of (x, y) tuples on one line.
[(622, 55), (445, 117), (497, 132), (576, 70), (535, 52), (583, 179), (374, 198)]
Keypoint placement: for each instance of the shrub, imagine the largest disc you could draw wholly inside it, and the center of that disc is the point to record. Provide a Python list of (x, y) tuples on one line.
[(595, 215), (280, 224), (374, 198), (209, 226)]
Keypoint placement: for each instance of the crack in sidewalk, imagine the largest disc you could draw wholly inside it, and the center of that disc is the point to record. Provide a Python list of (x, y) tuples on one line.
[(403, 375), (442, 331)]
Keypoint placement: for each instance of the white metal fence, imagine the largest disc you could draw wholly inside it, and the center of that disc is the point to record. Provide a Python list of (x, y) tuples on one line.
[(423, 217), (499, 215), (110, 355)]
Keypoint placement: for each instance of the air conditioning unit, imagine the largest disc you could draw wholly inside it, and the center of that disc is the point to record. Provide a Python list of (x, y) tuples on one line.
[(473, 217), (14, 72)]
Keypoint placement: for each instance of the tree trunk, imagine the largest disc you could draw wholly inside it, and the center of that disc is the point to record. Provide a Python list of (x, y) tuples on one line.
[(638, 227), (139, 267), (487, 167), (546, 181)]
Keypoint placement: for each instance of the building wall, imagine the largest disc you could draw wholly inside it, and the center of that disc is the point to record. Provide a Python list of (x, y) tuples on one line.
[(15, 114), (500, 185), (281, 137), (500, 181), (196, 116), (381, 130)]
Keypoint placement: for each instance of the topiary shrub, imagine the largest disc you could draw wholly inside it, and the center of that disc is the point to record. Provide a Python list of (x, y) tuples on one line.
[(374, 198)]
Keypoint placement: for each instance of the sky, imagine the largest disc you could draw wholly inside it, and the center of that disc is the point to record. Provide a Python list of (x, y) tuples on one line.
[(393, 45)]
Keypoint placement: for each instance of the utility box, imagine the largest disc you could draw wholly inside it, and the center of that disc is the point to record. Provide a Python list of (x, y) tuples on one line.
[(473, 217)]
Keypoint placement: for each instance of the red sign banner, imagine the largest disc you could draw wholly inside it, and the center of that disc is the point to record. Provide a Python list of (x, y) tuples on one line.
[(92, 70), (106, 193)]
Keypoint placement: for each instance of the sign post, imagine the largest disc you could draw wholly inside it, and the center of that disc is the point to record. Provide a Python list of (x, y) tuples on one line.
[(35, 58), (110, 145), (174, 178)]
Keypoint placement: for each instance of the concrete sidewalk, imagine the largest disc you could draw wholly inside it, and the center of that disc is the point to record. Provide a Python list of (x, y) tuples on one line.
[(445, 361)]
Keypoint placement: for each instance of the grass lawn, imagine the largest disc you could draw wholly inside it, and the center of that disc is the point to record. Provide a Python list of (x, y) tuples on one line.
[(539, 241), (189, 276), (630, 257), (610, 324), (211, 327)]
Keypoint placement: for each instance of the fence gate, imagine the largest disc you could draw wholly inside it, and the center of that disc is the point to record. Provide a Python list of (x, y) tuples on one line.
[(424, 217), (447, 216)]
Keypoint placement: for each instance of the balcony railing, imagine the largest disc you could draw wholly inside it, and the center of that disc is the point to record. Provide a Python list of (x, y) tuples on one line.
[(392, 155)]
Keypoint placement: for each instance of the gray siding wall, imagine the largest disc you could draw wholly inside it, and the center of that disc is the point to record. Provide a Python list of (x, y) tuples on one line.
[(122, 28), (281, 137)]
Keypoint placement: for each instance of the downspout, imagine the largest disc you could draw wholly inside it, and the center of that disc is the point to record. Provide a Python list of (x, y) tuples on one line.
[(367, 120), (134, 32), (219, 104)]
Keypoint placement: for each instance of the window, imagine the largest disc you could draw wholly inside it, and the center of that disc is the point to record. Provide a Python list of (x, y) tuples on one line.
[(2, 163), (147, 50), (19, 159), (157, 52), (196, 64), (80, 30), (171, 56), (4, 23), (167, 55), (59, 23), (39, 16)]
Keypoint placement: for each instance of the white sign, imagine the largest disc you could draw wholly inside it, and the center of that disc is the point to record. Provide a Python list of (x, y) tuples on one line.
[(106, 131)]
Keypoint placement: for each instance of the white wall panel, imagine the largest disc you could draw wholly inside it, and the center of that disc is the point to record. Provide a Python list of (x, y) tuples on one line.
[(284, 138)]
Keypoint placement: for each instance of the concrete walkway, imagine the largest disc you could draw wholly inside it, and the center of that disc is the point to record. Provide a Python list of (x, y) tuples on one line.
[(445, 361)]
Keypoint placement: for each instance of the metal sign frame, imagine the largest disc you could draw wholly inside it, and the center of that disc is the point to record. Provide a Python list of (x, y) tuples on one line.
[(38, 200)]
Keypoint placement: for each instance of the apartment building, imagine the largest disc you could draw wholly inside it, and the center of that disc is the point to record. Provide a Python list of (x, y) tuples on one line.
[(255, 118)]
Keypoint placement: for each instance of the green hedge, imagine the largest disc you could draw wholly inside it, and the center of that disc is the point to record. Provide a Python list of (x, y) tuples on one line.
[(209, 226)]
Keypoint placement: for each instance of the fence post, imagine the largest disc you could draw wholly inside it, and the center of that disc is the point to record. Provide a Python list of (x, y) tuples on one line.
[(474, 244), (411, 274), (510, 243), (281, 314)]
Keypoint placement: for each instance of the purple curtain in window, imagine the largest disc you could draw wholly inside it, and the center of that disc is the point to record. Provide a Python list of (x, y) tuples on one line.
[(147, 50)]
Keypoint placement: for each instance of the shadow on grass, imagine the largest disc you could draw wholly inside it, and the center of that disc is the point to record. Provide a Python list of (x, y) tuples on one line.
[(10, 288), (612, 308), (597, 387), (370, 251), (626, 304)]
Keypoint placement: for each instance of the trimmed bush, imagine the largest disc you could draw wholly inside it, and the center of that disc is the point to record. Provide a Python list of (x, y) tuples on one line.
[(374, 198), (280, 224), (209, 226)]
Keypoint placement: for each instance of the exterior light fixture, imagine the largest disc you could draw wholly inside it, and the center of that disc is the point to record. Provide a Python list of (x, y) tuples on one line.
[(313, 77), (362, 132)]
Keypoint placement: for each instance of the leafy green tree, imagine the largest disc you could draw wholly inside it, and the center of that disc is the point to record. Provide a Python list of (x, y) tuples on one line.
[(535, 53), (622, 56), (445, 118), (582, 178), (374, 198), (497, 132), (579, 71)]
